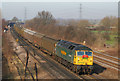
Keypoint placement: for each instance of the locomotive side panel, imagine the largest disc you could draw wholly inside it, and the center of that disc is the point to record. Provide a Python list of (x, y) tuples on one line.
[(64, 53)]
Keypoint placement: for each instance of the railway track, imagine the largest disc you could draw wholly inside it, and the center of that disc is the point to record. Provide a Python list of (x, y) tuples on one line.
[(16, 61), (52, 62), (19, 63), (115, 58), (106, 60)]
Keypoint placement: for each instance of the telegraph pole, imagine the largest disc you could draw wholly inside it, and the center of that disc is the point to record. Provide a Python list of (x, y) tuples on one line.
[(80, 11)]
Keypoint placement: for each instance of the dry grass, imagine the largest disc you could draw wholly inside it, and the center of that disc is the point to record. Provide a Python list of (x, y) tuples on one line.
[(6, 54)]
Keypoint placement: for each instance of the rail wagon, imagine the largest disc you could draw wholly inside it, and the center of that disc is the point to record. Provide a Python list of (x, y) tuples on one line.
[(19, 29), (37, 39), (48, 44), (41, 41), (29, 35)]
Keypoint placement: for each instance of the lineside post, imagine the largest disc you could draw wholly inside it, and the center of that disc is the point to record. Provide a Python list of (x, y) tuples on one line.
[(36, 72), (26, 61)]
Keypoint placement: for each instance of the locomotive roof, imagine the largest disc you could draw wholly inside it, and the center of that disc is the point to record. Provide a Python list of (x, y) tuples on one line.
[(72, 46)]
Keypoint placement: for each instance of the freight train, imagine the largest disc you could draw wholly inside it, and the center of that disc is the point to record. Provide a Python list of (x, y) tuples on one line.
[(77, 57)]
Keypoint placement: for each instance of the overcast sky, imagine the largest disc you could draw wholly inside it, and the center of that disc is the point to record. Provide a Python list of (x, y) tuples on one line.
[(60, 0), (64, 10)]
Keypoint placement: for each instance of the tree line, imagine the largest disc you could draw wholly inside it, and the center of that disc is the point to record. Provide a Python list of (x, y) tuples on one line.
[(71, 30)]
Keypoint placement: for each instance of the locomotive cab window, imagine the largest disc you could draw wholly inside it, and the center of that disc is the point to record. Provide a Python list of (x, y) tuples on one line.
[(71, 47), (88, 53), (80, 53), (58, 44)]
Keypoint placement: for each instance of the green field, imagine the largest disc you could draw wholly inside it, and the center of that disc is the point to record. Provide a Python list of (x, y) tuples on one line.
[(101, 31), (113, 36)]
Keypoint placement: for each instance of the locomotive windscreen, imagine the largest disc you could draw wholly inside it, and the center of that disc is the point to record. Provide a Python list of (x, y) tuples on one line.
[(88, 53), (80, 53)]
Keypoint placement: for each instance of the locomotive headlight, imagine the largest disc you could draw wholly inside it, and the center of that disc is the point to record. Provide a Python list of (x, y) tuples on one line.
[(78, 59), (90, 58)]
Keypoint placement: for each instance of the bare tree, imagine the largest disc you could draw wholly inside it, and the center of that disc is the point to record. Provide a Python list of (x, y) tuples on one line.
[(105, 22), (14, 19), (70, 33), (109, 21), (45, 17), (83, 23)]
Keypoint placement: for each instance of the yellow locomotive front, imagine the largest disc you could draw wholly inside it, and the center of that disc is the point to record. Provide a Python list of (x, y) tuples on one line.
[(83, 57)]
